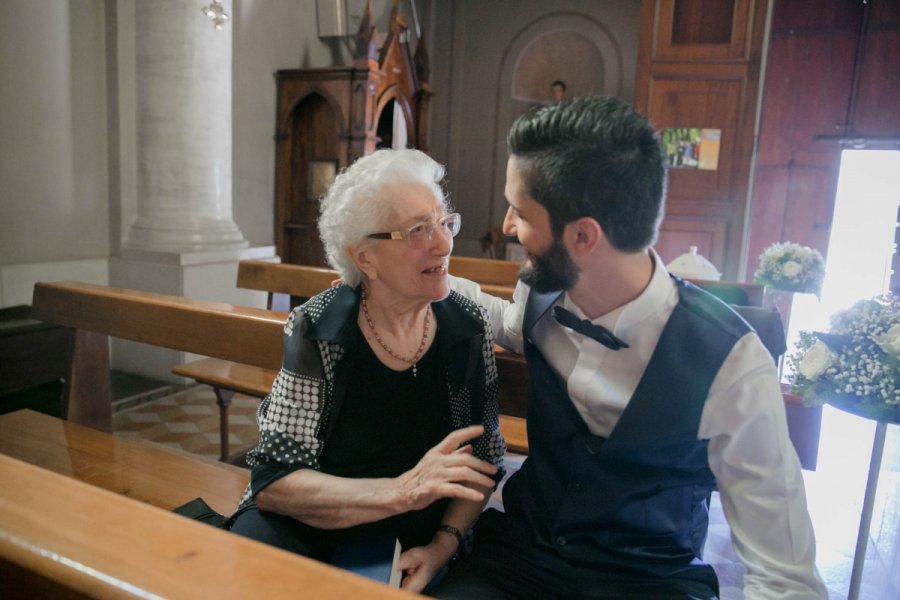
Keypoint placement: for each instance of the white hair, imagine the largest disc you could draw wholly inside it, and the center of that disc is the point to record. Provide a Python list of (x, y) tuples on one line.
[(354, 206)]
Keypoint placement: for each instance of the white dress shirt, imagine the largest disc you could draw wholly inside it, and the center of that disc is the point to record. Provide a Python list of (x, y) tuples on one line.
[(756, 467)]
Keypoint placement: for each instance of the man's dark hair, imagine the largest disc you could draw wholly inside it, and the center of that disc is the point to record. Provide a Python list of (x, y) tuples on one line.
[(593, 157), (560, 83)]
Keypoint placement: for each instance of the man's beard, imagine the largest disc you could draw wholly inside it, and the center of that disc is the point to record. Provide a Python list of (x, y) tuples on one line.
[(551, 271)]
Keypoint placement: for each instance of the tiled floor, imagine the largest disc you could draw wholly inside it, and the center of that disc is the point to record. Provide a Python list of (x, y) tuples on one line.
[(189, 420)]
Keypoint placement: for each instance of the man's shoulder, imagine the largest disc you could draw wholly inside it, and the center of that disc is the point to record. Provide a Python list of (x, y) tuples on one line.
[(710, 310)]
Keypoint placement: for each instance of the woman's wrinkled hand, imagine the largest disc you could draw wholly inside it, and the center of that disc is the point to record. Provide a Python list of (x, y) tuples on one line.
[(448, 470)]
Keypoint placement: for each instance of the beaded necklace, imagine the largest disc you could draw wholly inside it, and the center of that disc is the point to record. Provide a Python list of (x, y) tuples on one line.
[(417, 355)]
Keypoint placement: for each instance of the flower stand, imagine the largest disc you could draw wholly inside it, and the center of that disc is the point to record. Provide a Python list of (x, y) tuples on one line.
[(865, 521)]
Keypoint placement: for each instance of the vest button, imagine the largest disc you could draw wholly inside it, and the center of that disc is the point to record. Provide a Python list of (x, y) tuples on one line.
[(561, 541)]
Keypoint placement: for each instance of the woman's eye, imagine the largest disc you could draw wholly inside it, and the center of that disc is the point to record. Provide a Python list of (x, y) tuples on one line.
[(417, 231)]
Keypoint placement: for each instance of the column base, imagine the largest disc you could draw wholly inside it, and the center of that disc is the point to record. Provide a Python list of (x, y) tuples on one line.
[(184, 235)]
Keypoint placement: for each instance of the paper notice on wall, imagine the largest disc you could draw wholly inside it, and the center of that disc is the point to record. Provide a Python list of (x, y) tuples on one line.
[(692, 147)]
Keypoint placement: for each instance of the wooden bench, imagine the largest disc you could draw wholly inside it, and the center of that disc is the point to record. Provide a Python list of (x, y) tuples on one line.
[(85, 515), (228, 378), (153, 474), (289, 284), (486, 271), (93, 313), (302, 281), (31, 352)]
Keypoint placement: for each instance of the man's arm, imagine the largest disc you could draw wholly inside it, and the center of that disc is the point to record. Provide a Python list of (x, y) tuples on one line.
[(759, 478), (505, 316)]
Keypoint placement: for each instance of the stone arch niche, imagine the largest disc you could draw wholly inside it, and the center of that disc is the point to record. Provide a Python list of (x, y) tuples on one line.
[(549, 58), (575, 48), (327, 118)]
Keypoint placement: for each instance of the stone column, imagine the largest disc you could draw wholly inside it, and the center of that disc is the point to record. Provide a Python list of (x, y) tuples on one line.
[(183, 116), (182, 239)]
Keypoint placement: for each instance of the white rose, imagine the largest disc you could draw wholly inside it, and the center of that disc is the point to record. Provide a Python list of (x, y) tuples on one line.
[(791, 268), (816, 361), (890, 341)]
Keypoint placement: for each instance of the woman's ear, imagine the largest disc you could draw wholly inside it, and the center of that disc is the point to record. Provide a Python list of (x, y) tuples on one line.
[(581, 236), (363, 259)]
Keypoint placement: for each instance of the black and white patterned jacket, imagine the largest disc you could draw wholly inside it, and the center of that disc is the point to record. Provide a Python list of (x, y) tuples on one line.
[(295, 419)]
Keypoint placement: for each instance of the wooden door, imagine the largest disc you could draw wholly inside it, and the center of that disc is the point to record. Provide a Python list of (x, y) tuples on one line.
[(698, 72), (313, 161)]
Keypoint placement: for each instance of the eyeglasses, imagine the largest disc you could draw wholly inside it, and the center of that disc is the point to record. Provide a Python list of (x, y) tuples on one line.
[(419, 235)]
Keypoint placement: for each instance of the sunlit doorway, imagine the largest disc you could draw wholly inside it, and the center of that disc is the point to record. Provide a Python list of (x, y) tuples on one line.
[(858, 266)]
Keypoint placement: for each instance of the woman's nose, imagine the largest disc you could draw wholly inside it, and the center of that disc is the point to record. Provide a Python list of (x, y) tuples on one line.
[(441, 241)]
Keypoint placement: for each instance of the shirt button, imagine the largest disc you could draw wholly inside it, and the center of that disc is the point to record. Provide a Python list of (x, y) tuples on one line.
[(561, 541), (577, 486)]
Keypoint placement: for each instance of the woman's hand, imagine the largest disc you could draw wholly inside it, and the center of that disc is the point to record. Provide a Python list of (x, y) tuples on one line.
[(420, 564), (448, 471)]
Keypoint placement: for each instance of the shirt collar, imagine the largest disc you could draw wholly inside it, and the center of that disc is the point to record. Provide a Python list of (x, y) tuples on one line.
[(659, 293)]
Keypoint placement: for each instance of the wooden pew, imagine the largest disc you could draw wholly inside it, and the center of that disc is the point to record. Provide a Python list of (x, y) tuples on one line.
[(287, 285), (94, 312), (31, 352), (229, 377), (299, 282), (486, 271), (209, 328), (153, 474), (64, 538)]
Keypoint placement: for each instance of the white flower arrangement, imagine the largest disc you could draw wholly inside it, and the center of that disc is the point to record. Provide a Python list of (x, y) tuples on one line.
[(791, 267), (856, 365)]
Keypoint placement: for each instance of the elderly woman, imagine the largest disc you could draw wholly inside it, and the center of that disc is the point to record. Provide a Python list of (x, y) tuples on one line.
[(383, 418)]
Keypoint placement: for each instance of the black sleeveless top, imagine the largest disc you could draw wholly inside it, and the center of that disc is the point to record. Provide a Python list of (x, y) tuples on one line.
[(388, 421)]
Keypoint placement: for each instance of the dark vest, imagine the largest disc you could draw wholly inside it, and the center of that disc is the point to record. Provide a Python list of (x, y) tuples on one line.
[(636, 501)]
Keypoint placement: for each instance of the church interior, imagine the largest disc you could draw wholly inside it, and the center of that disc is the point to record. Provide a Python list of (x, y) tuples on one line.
[(159, 159)]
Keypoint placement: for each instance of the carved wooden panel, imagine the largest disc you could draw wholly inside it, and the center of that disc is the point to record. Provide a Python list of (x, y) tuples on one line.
[(703, 29), (327, 118), (707, 103), (698, 68)]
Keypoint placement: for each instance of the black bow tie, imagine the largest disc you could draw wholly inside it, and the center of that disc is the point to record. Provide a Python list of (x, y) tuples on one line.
[(585, 327)]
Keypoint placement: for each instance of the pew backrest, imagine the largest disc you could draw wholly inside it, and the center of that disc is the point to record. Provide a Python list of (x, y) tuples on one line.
[(93, 313), (486, 270), (290, 284), (198, 326)]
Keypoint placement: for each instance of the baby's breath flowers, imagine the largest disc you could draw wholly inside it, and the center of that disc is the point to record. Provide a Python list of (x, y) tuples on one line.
[(791, 267), (856, 365)]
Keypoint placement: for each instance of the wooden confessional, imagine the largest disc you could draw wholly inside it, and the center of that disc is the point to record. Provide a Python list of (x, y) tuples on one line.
[(327, 118)]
